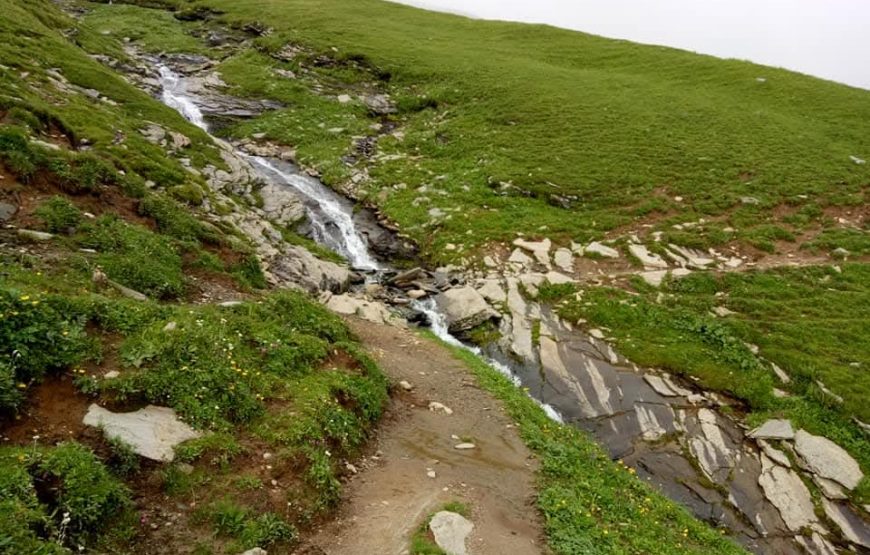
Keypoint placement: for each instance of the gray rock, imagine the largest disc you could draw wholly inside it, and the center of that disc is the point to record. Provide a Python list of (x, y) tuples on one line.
[(564, 259), (655, 277), (450, 531), (647, 258), (601, 250), (827, 459), (371, 311), (256, 551), (464, 308), (540, 249), (465, 446), (830, 488), (152, 432), (296, 265), (492, 290), (853, 526), (785, 490), (7, 211), (379, 104), (557, 278), (34, 235), (710, 448), (773, 429), (521, 258), (774, 454)]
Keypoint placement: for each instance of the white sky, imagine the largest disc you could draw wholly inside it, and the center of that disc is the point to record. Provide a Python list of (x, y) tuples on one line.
[(826, 38)]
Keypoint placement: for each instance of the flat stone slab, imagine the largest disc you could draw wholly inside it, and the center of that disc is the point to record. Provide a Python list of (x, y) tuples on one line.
[(773, 429), (827, 459), (785, 490), (853, 526), (647, 258), (540, 249), (152, 432), (601, 250), (450, 530)]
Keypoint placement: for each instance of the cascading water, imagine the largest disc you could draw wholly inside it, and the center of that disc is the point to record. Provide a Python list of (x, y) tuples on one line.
[(175, 96), (332, 220)]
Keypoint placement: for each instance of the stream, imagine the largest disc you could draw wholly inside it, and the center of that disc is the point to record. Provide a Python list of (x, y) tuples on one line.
[(677, 437)]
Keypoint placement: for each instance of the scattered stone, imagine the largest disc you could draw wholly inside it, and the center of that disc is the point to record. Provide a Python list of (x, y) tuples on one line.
[(601, 250), (723, 312), (406, 385), (256, 551), (540, 249), (647, 258), (521, 258), (840, 252), (370, 311), (351, 468), (152, 432), (489, 262), (464, 308), (693, 259), (380, 104), (659, 385), (450, 531), (773, 429), (556, 278), (830, 488), (564, 259), (859, 161), (750, 200), (492, 291), (464, 446), (774, 454), (596, 333), (431, 473), (111, 375), (830, 394), (7, 211), (780, 394), (45, 145), (654, 278), (435, 406), (853, 527), (344, 98), (816, 544), (827, 459), (780, 373), (230, 304), (416, 294), (34, 235), (179, 141), (785, 490), (170, 326)]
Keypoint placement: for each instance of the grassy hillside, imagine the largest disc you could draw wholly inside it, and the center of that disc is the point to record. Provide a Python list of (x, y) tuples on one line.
[(276, 375), (544, 131)]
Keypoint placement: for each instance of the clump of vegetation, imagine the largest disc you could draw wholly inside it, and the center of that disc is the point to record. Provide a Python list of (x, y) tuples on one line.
[(57, 497), (59, 215), (36, 336), (236, 521)]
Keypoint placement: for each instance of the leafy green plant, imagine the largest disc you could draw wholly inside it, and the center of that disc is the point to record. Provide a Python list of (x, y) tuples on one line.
[(58, 215)]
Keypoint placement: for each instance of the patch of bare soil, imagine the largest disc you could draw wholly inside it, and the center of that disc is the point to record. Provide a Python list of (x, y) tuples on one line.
[(53, 413), (388, 500)]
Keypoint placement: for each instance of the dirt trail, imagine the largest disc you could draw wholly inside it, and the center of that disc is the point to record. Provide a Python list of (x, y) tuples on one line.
[(386, 501)]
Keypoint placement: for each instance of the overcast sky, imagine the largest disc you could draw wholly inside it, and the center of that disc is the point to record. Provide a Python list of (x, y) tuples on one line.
[(826, 38)]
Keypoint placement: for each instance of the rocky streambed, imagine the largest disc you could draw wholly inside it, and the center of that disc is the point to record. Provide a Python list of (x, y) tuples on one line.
[(776, 489)]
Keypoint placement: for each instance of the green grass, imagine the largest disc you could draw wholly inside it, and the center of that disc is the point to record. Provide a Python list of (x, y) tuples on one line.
[(590, 505)]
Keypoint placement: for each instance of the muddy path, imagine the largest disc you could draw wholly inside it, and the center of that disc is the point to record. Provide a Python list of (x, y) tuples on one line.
[(394, 490)]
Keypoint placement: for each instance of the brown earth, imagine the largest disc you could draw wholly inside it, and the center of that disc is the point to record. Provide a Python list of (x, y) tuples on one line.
[(387, 501)]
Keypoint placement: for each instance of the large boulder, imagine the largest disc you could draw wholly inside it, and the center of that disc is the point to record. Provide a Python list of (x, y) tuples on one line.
[(825, 458), (152, 432), (296, 265), (464, 308), (450, 530)]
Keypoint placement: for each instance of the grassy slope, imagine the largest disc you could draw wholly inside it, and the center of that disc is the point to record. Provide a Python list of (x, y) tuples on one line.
[(269, 386), (620, 126)]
